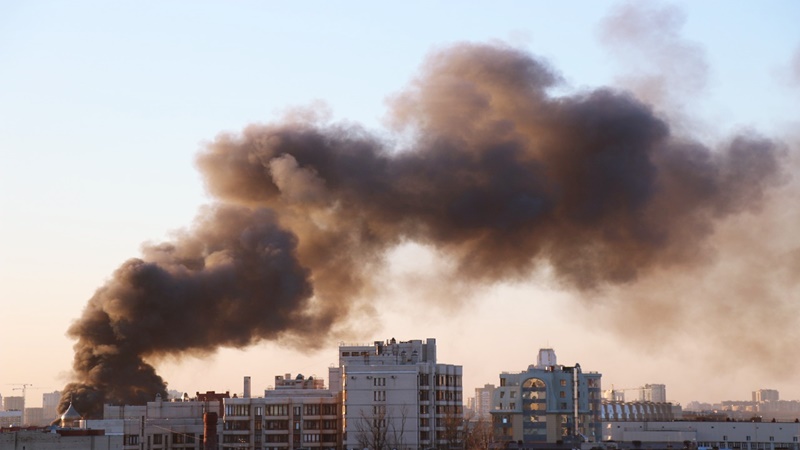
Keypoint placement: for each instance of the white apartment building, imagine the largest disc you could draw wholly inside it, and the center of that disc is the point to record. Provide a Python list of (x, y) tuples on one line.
[(396, 395), (656, 393)]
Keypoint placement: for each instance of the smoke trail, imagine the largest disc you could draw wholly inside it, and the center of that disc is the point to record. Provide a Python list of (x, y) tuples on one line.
[(500, 176), (663, 68)]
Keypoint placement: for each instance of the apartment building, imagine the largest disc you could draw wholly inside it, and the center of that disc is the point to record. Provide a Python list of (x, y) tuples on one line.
[(397, 395)]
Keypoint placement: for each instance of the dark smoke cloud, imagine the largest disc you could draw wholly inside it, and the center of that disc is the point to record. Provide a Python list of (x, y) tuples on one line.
[(497, 175), (230, 281)]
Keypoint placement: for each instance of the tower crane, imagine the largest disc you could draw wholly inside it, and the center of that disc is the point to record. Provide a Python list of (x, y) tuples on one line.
[(23, 387), (614, 391)]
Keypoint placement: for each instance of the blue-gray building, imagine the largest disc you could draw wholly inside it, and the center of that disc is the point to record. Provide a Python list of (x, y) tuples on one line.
[(548, 403)]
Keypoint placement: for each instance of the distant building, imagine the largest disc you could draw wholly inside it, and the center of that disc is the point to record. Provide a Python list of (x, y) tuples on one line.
[(50, 402), (397, 395), (35, 417), (547, 404), (656, 393), (639, 411), (14, 403), (766, 395), (59, 440), (300, 414), (703, 435), (483, 401), (10, 419)]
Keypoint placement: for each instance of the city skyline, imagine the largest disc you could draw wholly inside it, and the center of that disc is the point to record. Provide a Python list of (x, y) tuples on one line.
[(110, 107)]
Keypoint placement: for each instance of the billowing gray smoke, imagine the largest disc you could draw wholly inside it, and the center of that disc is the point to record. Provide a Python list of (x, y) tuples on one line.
[(496, 174)]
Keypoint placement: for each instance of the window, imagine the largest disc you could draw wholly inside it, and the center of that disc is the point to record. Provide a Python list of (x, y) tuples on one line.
[(562, 394), (512, 406), (379, 381), (379, 396), (310, 438), (236, 425), (563, 382), (298, 410), (158, 439), (276, 425), (131, 439), (424, 379), (235, 439), (312, 410), (277, 410), (237, 410)]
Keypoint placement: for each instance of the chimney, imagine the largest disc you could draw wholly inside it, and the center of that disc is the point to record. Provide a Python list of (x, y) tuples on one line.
[(210, 431)]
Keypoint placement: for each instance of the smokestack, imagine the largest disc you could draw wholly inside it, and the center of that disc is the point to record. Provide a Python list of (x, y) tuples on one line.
[(210, 430), (246, 387), (500, 177)]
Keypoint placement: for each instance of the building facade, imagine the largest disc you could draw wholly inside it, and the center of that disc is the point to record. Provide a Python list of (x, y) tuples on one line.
[(656, 393), (483, 401), (548, 403), (50, 402), (396, 395), (705, 435), (766, 395)]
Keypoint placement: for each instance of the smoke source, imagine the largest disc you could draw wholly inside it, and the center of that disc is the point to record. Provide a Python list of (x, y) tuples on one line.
[(498, 175)]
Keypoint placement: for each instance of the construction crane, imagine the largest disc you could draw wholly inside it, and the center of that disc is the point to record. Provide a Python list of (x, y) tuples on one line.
[(614, 391), (23, 387)]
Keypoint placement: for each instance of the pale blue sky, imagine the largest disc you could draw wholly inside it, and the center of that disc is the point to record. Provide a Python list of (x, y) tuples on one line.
[(103, 106)]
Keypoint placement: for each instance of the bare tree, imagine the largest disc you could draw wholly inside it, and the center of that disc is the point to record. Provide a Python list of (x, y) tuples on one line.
[(382, 430), (397, 439), (478, 433), (453, 429), (371, 429)]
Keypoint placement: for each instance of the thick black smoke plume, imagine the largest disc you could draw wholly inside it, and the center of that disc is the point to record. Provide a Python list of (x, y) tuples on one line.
[(498, 175)]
